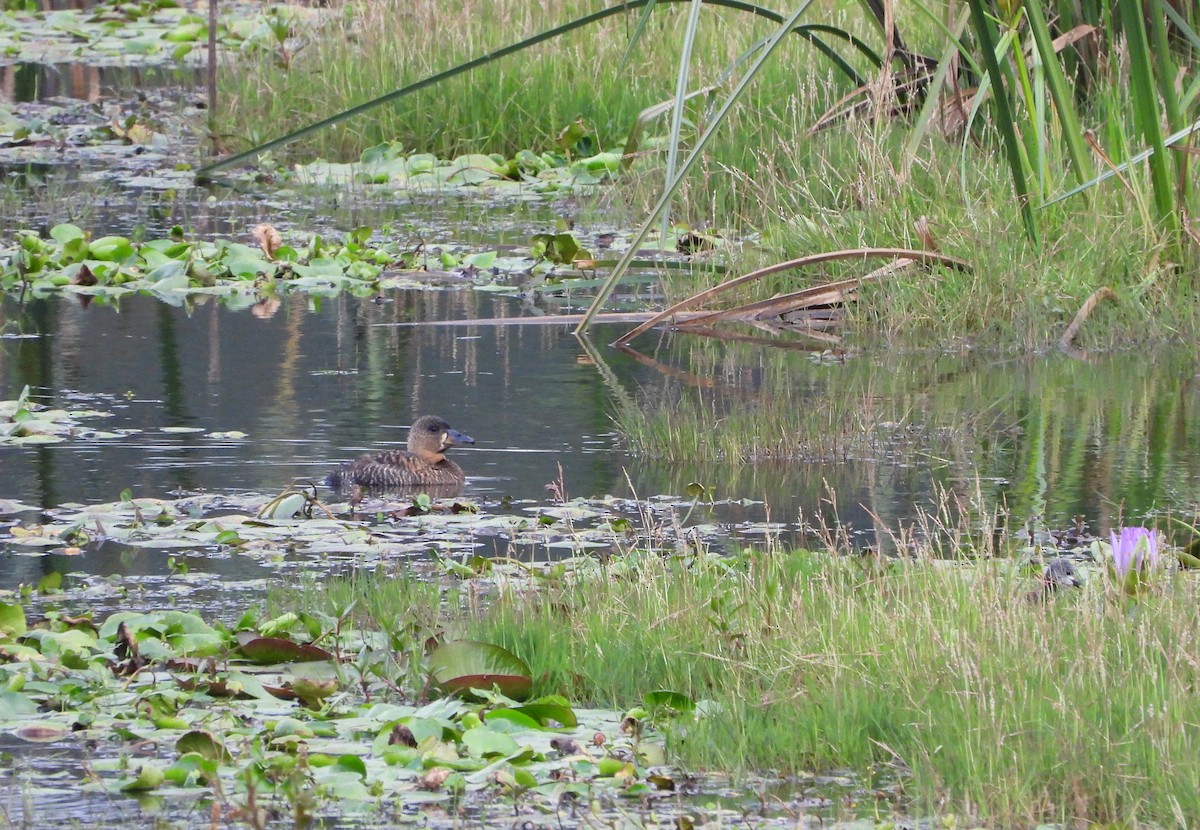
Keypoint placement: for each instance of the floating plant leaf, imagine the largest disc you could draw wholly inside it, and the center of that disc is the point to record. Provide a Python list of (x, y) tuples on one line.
[(487, 743), (111, 249), (43, 733), (185, 633), (66, 233), (203, 743), (559, 248), (14, 705), (513, 717), (354, 764), (271, 650), (313, 691), (148, 777), (669, 703), (12, 619), (547, 713), (190, 766), (462, 665), (51, 583)]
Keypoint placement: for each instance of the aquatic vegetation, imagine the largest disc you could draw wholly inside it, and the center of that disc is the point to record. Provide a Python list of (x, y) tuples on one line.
[(728, 662), (148, 33), (298, 528), (257, 715), (172, 268), (861, 175), (316, 711), (365, 261), (988, 706), (24, 422), (1134, 556), (389, 167)]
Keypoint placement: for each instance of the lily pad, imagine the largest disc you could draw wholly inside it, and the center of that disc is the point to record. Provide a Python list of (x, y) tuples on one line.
[(271, 650), (203, 743), (462, 665)]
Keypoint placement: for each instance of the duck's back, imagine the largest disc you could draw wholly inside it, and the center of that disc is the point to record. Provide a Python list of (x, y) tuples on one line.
[(396, 468)]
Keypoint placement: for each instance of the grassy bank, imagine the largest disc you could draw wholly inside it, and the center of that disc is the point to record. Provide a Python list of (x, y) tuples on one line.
[(991, 706), (859, 182), (525, 100)]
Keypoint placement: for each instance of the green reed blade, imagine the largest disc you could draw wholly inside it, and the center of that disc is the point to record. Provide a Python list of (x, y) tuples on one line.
[(982, 25), (718, 119)]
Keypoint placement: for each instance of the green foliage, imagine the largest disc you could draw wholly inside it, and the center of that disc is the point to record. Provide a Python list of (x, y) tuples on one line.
[(461, 666), (1016, 710), (1023, 65), (389, 166), (146, 33), (176, 269), (494, 107), (1040, 97), (286, 730)]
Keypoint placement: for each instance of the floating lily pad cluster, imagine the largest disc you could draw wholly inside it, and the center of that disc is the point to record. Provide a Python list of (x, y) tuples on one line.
[(138, 147), (301, 528), (303, 715), (71, 261), (29, 129), (389, 167), (24, 422), (144, 33)]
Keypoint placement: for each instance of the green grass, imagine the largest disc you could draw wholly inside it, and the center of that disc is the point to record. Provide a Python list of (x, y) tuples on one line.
[(366, 50), (1008, 711), (850, 185)]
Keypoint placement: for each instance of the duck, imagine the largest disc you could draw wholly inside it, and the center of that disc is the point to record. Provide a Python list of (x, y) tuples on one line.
[(423, 464), (1058, 574)]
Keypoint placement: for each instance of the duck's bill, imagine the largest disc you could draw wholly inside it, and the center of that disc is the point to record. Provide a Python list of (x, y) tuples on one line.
[(453, 436)]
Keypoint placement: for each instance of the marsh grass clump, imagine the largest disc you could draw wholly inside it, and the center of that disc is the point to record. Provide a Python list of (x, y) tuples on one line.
[(522, 101), (863, 179), (1081, 708)]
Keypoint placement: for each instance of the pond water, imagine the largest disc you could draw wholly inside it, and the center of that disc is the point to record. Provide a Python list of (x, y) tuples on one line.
[(27, 82), (800, 445), (873, 441)]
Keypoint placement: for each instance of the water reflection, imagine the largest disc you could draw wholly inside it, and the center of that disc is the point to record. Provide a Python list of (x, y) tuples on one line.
[(317, 383), (1045, 439), (863, 441), (26, 82)]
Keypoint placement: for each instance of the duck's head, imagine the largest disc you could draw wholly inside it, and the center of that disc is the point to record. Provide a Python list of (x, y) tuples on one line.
[(1060, 573), (431, 436)]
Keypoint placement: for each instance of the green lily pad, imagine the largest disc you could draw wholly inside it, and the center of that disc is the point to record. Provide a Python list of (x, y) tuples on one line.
[(148, 778), (12, 619), (272, 650), (203, 743), (462, 665)]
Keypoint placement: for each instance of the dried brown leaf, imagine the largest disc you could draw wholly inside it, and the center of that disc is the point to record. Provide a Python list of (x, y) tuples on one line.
[(84, 276), (267, 238)]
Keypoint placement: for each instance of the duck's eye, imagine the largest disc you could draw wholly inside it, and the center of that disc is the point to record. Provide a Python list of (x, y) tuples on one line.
[(433, 427)]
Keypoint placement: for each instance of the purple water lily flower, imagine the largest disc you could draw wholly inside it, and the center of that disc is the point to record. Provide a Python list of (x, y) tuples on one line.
[(1134, 548)]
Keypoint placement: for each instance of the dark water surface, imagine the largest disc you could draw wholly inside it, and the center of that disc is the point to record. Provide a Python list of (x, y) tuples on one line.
[(873, 440)]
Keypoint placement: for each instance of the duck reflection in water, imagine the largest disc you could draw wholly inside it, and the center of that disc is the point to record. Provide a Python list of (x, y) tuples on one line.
[(423, 465)]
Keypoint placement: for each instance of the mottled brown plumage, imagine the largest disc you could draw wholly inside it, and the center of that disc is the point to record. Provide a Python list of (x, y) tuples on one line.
[(423, 464)]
